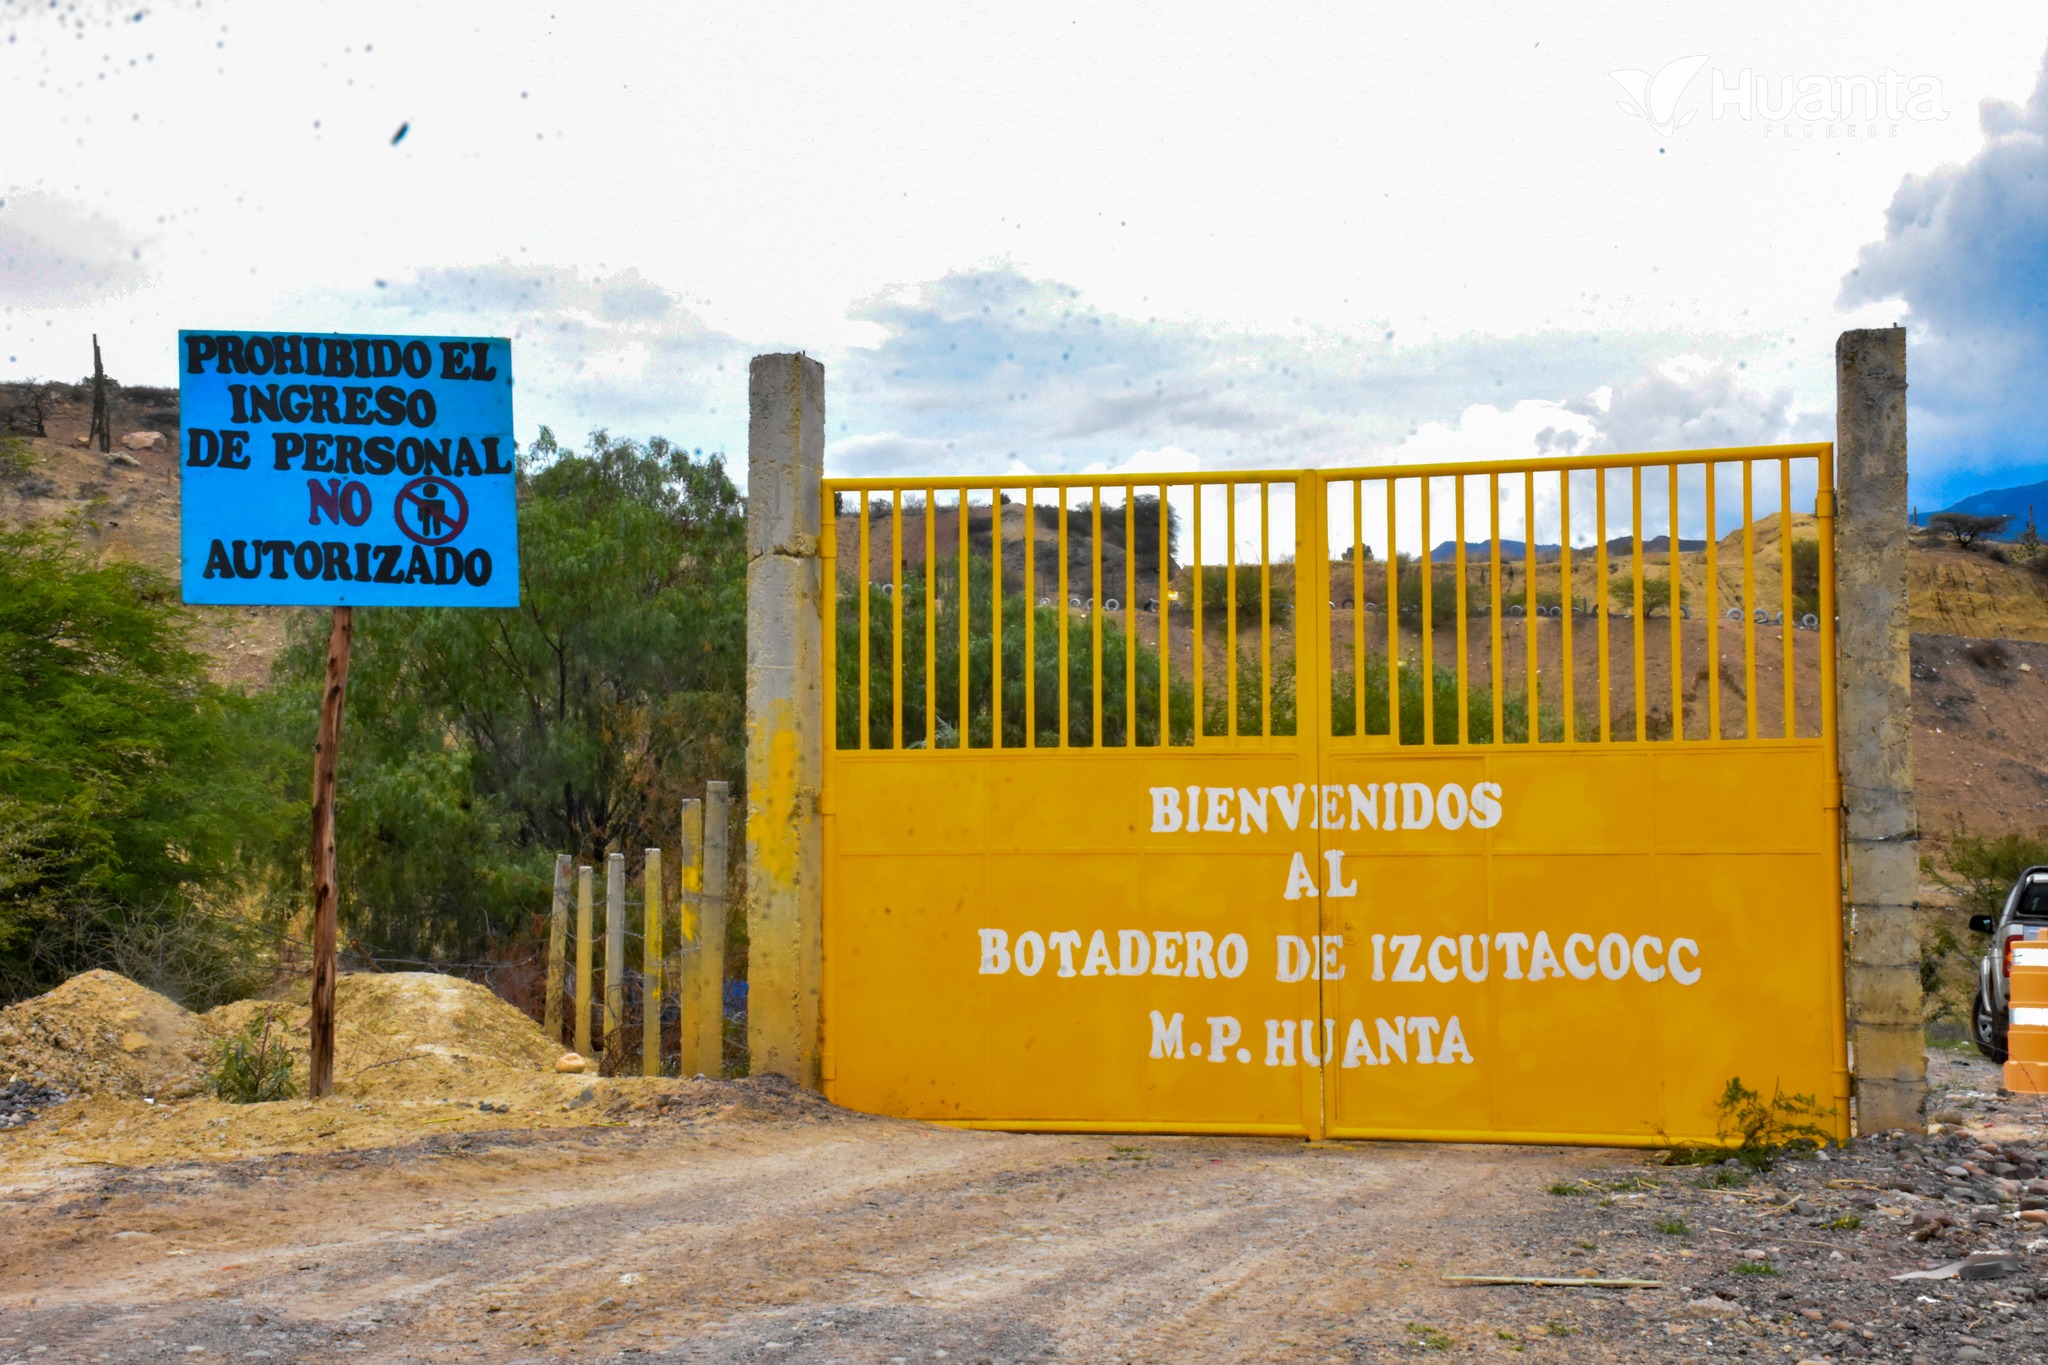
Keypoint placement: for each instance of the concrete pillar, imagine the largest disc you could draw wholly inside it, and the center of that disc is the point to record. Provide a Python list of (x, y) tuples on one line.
[(785, 716), (1881, 821)]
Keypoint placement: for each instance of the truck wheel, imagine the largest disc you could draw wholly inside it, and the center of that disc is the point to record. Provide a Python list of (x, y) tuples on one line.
[(1985, 1030)]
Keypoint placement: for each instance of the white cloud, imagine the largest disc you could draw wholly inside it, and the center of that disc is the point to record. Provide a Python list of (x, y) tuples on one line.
[(57, 254), (1966, 249)]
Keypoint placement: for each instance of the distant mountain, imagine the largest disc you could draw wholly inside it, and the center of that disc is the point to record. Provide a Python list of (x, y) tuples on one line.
[(2008, 502), (1447, 551)]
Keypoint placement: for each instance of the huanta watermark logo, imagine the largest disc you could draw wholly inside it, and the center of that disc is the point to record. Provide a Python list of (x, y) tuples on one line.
[(1674, 96)]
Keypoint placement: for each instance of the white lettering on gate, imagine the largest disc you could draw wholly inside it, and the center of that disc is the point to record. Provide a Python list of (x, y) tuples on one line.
[(1587, 956), (1334, 806), (1468, 957), (1140, 952)]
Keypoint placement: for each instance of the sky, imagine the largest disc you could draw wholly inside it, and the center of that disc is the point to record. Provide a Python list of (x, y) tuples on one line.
[(1059, 239)]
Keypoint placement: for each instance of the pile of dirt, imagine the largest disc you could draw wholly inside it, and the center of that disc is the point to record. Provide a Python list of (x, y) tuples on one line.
[(398, 1033), (100, 1033), (401, 1033)]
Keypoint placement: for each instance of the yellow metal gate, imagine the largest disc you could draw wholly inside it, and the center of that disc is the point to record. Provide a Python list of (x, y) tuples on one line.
[(1487, 801)]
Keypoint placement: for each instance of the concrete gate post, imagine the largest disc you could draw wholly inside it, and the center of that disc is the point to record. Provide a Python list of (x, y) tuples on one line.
[(785, 715), (1881, 831)]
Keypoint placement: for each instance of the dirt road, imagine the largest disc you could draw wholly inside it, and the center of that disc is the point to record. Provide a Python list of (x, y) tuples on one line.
[(854, 1240), (788, 1231)]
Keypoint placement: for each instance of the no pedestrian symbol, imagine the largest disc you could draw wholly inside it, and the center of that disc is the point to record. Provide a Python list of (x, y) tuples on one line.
[(431, 510)]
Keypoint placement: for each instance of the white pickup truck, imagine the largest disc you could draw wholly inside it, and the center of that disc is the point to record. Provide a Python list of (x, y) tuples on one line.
[(2024, 918)]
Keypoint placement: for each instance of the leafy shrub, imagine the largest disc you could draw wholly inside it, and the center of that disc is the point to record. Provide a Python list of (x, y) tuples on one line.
[(1756, 1131), (1761, 1130), (252, 1067)]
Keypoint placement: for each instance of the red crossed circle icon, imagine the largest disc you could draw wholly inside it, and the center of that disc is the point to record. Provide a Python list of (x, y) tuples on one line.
[(430, 510)]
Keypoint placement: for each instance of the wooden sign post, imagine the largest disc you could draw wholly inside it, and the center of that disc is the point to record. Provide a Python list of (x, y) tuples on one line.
[(325, 752)]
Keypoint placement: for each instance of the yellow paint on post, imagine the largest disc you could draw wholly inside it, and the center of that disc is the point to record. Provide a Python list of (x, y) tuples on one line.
[(689, 986), (651, 973), (711, 913), (787, 511)]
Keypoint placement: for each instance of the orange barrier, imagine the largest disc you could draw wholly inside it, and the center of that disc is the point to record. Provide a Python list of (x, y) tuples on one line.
[(2026, 1044)]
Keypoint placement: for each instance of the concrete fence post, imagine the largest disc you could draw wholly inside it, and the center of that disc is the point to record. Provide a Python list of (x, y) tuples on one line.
[(691, 982), (614, 958), (558, 948), (1881, 822), (651, 963), (785, 721), (711, 933), (586, 878)]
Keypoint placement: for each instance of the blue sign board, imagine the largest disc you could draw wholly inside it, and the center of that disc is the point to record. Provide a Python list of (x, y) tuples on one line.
[(328, 470)]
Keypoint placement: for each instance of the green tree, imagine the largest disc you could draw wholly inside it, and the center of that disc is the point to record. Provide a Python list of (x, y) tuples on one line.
[(130, 786), (479, 743), (1966, 529)]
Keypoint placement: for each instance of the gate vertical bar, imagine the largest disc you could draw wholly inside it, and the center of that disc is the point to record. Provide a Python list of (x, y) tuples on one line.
[(931, 617), (1427, 560), (1095, 616), (1358, 608), (1031, 617), (1230, 607), (1060, 608), (1785, 602), (1713, 606), (1496, 670), (1674, 608), (1458, 561), (966, 614), (1600, 570), (1130, 616), (1200, 641), (1749, 607), (865, 552), (1266, 610), (895, 618), (1311, 728), (1529, 604), (995, 616), (1635, 609), (1163, 599), (1393, 618)]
